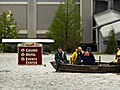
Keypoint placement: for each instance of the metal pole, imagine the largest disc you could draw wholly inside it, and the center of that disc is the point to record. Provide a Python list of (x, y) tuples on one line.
[(98, 32), (94, 4), (98, 39), (99, 60)]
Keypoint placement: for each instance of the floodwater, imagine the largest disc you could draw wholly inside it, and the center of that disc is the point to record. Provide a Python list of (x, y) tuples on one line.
[(41, 77)]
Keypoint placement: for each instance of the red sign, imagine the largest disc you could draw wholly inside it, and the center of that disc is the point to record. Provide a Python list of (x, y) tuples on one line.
[(30, 53)]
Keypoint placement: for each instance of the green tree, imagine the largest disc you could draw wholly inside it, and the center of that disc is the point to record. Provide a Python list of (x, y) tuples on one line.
[(112, 43), (66, 27), (8, 28)]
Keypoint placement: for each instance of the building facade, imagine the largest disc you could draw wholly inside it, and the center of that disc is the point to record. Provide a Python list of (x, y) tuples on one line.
[(44, 13), (109, 12)]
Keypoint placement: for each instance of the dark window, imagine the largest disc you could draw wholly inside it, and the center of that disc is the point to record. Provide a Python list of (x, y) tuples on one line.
[(100, 6), (117, 5)]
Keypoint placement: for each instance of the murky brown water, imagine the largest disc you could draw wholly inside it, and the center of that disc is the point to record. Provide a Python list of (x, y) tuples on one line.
[(18, 77)]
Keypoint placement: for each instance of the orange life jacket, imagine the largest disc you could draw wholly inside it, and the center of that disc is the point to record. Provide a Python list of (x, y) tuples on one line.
[(86, 53)]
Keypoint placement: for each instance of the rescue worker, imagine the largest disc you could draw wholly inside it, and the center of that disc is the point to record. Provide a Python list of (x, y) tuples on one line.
[(77, 56), (88, 57), (117, 59), (117, 55), (115, 62), (60, 57)]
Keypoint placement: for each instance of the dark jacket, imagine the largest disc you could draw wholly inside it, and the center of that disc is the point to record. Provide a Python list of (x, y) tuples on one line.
[(92, 57), (89, 59), (58, 58)]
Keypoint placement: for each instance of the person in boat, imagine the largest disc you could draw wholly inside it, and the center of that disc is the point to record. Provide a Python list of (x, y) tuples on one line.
[(88, 57), (77, 56), (60, 57), (117, 58), (117, 55), (116, 61)]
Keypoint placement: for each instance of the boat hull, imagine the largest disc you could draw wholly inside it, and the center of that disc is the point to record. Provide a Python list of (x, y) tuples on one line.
[(102, 68)]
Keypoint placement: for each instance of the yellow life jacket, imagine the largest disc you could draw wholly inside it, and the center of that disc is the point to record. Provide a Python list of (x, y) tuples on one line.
[(74, 56), (118, 53)]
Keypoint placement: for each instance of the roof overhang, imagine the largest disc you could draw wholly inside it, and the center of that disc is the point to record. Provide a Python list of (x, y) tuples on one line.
[(106, 17)]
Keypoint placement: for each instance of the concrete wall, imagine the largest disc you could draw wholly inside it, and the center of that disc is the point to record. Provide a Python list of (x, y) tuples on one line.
[(102, 46), (117, 36), (103, 42), (20, 14), (45, 14)]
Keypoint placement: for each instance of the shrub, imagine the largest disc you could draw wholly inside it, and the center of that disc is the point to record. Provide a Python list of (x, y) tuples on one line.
[(47, 49), (8, 48), (112, 43)]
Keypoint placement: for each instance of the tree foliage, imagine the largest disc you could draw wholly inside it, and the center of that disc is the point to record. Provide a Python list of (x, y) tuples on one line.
[(66, 27), (112, 43), (8, 28)]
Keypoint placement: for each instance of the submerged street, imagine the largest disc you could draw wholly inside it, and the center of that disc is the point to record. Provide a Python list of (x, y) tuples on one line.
[(44, 77)]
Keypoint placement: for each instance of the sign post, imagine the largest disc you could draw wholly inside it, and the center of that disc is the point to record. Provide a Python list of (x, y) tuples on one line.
[(30, 53)]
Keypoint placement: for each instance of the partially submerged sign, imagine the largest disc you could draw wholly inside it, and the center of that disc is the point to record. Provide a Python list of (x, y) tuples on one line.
[(30, 53)]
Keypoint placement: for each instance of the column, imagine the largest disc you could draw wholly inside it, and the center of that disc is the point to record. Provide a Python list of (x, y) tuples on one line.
[(86, 13), (31, 29), (110, 4)]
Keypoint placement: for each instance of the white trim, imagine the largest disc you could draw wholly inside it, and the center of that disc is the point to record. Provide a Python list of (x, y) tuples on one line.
[(50, 3), (55, 3), (38, 31), (13, 2), (22, 32), (42, 31)]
